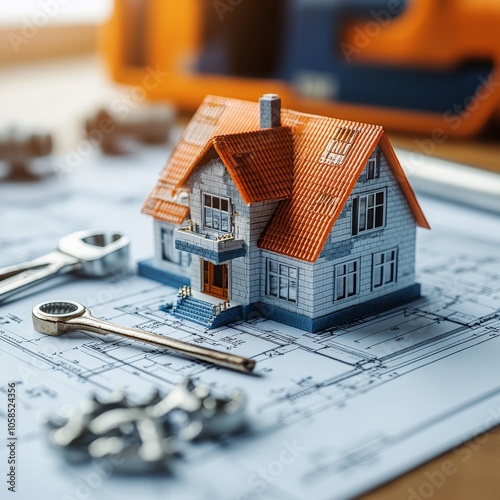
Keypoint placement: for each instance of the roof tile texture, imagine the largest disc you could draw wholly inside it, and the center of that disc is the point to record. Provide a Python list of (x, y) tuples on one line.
[(159, 206), (260, 162), (301, 225), (311, 163)]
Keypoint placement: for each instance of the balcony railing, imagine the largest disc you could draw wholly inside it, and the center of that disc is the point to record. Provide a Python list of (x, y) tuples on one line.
[(213, 246)]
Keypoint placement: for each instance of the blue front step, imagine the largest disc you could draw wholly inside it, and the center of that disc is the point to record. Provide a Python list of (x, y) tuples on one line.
[(201, 312), (194, 310)]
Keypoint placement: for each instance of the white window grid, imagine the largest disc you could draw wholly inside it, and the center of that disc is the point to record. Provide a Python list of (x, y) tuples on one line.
[(385, 266), (282, 281), (216, 213), (371, 211), (346, 280)]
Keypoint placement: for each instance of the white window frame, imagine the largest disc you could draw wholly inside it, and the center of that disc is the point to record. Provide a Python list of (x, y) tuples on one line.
[(213, 214), (282, 281), (384, 268), (367, 204), (346, 273)]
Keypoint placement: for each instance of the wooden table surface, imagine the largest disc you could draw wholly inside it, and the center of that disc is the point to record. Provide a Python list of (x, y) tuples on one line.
[(470, 471)]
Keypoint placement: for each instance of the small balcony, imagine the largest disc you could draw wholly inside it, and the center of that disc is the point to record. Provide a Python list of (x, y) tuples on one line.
[(214, 247)]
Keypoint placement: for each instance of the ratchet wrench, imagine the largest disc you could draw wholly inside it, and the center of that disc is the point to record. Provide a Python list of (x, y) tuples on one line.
[(90, 252), (61, 316)]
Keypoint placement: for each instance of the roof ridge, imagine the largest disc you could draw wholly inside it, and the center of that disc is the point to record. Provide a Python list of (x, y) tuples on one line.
[(222, 99), (260, 131)]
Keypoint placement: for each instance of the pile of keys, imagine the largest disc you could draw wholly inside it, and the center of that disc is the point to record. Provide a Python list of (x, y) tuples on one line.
[(145, 437)]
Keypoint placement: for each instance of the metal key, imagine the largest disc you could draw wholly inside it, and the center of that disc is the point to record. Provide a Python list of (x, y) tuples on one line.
[(58, 317), (89, 252)]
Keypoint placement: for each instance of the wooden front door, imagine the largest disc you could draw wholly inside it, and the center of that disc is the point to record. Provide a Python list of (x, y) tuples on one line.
[(215, 279)]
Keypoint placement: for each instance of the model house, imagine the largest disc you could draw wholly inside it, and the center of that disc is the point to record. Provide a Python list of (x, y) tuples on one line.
[(304, 219)]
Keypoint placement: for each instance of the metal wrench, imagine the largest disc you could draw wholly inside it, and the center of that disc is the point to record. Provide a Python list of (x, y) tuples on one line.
[(89, 252), (58, 317)]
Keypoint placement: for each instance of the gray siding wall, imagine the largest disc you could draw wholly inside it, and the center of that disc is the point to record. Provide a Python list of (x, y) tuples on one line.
[(306, 286), (160, 262), (316, 281), (248, 223), (260, 215), (247, 275)]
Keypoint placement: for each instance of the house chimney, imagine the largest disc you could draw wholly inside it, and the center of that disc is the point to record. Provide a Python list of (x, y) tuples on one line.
[(270, 111)]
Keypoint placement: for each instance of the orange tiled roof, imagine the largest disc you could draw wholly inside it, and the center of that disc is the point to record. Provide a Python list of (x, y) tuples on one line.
[(328, 157), (260, 162), (403, 181), (217, 116), (161, 208)]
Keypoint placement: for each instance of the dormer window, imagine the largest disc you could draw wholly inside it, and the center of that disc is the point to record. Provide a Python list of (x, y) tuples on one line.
[(216, 212)]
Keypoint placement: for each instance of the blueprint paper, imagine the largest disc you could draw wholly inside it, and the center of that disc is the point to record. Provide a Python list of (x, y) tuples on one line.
[(331, 415)]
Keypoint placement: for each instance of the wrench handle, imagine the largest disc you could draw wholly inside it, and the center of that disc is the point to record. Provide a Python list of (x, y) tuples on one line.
[(90, 323), (16, 278)]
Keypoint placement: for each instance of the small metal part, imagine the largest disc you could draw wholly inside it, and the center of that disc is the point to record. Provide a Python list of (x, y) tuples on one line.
[(136, 442), (217, 417), (90, 252), (142, 437), (58, 317), (181, 397), (206, 415), (72, 433)]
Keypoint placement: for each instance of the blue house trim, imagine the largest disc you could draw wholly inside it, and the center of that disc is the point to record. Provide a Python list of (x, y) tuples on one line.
[(147, 269), (324, 322), (214, 257)]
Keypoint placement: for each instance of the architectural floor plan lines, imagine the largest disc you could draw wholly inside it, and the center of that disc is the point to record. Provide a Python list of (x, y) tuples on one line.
[(357, 404)]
